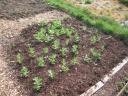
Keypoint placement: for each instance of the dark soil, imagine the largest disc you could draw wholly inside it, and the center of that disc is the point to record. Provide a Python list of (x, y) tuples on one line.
[(14, 9), (80, 77)]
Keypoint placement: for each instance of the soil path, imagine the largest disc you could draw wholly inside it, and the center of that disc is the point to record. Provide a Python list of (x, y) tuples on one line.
[(9, 85)]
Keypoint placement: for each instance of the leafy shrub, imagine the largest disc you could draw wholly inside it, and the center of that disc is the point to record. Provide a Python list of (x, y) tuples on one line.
[(19, 58), (37, 83), (51, 74), (40, 62), (24, 71)]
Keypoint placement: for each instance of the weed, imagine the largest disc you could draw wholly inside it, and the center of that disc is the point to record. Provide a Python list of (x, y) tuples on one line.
[(64, 67), (52, 59), (37, 83), (40, 62), (24, 71), (19, 58), (96, 54), (51, 74)]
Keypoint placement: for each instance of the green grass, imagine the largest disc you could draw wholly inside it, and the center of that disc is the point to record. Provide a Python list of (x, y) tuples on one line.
[(106, 25)]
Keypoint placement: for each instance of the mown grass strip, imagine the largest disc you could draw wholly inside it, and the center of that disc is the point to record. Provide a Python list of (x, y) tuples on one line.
[(104, 24)]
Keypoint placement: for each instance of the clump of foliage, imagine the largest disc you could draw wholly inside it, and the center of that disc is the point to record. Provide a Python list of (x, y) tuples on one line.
[(45, 50), (63, 51), (52, 58), (76, 38), (31, 52), (74, 61), (64, 67), (39, 36), (75, 49), (86, 59), (94, 39), (40, 62), (19, 58), (95, 54), (56, 44), (37, 84), (51, 74), (24, 71)]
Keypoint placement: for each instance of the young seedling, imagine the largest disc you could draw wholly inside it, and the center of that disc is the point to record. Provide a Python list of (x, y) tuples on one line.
[(52, 59), (39, 36), (31, 52), (51, 74), (94, 39), (40, 62), (48, 38), (45, 50), (75, 49), (76, 38), (56, 24), (96, 54), (24, 71), (56, 44), (68, 32), (64, 67), (74, 61), (19, 58), (37, 84), (63, 51), (67, 42), (86, 59)]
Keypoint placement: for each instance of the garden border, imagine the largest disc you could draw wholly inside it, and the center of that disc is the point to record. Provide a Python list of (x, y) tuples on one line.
[(106, 78)]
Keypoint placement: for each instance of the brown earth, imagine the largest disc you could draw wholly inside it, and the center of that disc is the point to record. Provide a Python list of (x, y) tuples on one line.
[(79, 78), (15, 9)]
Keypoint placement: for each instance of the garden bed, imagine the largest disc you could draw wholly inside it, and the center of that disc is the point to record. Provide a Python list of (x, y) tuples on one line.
[(67, 60), (14, 9)]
